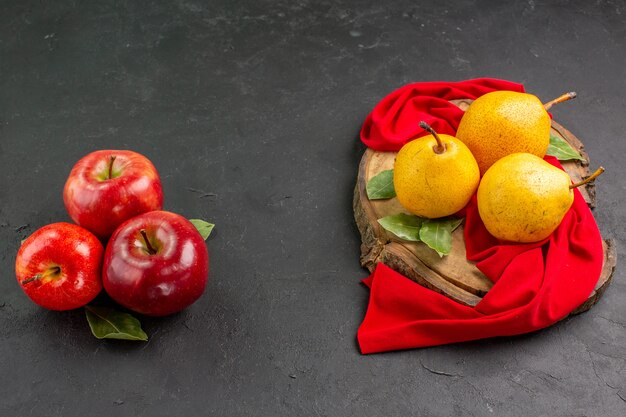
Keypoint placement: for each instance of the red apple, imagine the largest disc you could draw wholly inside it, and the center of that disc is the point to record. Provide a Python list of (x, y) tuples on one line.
[(156, 264), (59, 266), (106, 188)]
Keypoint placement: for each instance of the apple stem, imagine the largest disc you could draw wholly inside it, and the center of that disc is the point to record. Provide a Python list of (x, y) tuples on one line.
[(31, 279), (587, 180), (560, 99), (440, 147), (111, 166), (151, 250), (50, 271)]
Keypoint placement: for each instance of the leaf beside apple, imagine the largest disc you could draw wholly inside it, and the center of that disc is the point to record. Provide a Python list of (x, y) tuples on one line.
[(106, 323), (205, 228)]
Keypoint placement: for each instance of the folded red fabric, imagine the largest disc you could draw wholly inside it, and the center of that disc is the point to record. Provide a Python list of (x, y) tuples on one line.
[(395, 119), (535, 285)]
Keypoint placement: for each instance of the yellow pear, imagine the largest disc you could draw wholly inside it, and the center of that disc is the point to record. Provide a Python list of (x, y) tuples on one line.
[(435, 176), (500, 123), (522, 198)]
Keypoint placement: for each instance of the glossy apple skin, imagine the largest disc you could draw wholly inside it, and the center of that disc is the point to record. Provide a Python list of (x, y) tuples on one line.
[(99, 203), (156, 284), (68, 259)]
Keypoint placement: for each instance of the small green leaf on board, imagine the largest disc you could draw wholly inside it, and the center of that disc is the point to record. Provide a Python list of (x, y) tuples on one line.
[(380, 186), (437, 233), (562, 150), (205, 228), (106, 323), (405, 226)]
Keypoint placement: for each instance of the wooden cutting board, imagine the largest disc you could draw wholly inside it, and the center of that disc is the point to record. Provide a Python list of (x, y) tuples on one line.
[(453, 275)]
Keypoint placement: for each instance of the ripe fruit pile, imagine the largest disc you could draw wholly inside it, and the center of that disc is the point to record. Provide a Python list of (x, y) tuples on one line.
[(504, 135), (156, 262)]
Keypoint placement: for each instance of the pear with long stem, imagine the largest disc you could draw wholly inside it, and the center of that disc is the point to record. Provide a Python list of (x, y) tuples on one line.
[(501, 123), (523, 198)]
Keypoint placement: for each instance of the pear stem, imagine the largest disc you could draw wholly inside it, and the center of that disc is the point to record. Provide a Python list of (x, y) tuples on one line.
[(587, 180), (560, 99), (111, 166), (440, 147), (151, 250)]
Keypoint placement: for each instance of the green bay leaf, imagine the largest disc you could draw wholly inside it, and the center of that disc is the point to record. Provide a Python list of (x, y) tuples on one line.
[(380, 186), (106, 323), (205, 228), (405, 226), (437, 233), (562, 150)]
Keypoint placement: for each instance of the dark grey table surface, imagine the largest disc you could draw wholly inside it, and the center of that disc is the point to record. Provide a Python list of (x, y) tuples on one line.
[(260, 103)]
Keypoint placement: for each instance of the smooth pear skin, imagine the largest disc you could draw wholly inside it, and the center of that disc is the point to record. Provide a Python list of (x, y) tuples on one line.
[(522, 198), (435, 185)]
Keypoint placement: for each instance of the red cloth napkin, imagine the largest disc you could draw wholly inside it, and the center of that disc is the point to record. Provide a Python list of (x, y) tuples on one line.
[(395, 120), (535, 285)]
